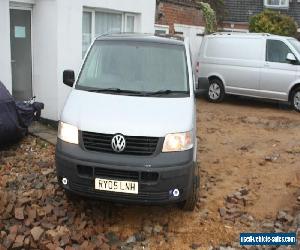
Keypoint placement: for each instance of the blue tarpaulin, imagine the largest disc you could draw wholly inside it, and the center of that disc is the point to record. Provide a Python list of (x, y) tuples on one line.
[(15, 117)]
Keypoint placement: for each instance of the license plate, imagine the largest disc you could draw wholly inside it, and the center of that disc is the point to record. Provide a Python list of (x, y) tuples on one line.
[(128, 187)]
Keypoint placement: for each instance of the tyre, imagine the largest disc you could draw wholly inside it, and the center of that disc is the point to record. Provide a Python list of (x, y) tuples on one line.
[(190, 203), (71, 197), (216, 92), (295, 99)]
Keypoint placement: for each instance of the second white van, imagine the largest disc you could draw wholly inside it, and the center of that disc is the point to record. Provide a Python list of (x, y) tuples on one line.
[(247, 64)]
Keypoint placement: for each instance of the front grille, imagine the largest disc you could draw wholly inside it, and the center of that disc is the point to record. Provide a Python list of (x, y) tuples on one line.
[(117, 174), (88, 189), (135, 145)]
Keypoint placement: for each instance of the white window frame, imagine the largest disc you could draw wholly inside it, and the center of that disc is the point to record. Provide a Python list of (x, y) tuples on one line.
[(279, 6), (124, 19), (160, 27)]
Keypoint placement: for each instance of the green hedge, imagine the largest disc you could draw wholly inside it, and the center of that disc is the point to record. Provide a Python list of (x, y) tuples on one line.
[(273, 22)]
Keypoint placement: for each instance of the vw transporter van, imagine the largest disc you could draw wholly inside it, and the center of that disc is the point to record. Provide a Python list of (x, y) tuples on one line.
[(256, 65), (127, 132)]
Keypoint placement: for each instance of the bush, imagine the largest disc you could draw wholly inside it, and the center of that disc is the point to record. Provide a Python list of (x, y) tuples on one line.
[(209, 17), (274, 23), (219, 7)]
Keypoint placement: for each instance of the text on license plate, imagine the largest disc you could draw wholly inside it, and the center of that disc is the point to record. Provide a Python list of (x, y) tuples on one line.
[(129, 187)]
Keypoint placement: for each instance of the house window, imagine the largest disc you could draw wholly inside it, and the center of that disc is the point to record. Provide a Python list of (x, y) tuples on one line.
[(96, 23), (130, 23), (277, 51), (107, 23), (277, 4), (86, 31)]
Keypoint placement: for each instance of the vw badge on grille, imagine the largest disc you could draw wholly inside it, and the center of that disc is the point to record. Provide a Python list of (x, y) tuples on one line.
[(118, 143)]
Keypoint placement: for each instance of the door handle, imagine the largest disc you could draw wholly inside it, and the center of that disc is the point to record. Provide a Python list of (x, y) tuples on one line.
[(13, 61), (267, 65)]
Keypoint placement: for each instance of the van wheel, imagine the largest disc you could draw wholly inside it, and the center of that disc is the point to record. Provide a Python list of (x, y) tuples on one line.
[(216, 92), (296, 99), (71, 197), (190, 203)]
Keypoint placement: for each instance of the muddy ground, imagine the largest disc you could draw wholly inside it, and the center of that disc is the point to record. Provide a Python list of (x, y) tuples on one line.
[(250, 180)]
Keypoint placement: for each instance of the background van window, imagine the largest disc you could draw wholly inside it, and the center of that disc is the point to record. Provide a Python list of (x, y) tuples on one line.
[(277, 51)]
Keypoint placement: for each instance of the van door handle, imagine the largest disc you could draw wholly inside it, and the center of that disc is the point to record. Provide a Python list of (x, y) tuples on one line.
[(267, 65)]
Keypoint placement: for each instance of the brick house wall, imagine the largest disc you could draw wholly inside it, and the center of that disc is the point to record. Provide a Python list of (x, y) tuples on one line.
[(169, 12)]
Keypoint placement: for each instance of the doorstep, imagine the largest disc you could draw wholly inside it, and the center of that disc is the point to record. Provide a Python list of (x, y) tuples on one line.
[(45, 132)]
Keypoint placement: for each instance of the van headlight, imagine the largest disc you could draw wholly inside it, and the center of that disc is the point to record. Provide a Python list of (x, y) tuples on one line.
[(178, 142), (67, 133)]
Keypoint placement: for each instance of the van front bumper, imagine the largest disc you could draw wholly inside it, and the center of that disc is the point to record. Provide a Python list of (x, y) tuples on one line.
[(158, 175)]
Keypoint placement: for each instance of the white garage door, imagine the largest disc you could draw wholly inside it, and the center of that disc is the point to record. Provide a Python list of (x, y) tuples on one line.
[(195, 34)]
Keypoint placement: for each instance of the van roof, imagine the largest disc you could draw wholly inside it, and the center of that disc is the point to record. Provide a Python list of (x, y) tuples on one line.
[(139, 37), (242, 34)]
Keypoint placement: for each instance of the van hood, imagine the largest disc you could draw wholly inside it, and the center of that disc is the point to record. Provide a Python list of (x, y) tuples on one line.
[(128, 115)]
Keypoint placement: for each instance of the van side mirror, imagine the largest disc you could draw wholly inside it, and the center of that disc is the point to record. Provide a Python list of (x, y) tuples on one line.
[(291, 57), (69, 77)]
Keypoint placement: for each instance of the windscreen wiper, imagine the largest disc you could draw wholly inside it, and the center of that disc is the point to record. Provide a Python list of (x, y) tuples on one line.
[(166, 92), (134, 92), (116, 90)]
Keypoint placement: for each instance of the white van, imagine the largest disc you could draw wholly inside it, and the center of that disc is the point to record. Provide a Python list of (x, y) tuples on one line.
[(128, 129), (255, 65)]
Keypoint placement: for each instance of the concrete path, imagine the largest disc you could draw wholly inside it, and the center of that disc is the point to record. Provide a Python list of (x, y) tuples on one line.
[(43, 131)]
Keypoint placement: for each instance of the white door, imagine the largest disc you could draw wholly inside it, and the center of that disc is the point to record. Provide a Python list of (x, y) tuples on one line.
[(278, 73), (195, 35)]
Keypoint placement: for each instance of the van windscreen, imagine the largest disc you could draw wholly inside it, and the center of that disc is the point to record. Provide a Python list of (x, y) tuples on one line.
[(296, 44), (145, 67)]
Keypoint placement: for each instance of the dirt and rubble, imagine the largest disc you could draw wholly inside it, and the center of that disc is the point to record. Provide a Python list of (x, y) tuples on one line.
[(250, 182)]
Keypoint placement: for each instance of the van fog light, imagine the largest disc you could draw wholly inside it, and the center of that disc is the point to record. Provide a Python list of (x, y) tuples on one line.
[(176, 193), (64, 181)]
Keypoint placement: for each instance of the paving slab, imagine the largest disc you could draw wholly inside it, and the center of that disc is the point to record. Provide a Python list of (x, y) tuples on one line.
[(45, 132)]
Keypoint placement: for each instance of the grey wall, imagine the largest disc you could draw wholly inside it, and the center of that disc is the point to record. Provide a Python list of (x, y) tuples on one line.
[(294, 10), (242, 10)]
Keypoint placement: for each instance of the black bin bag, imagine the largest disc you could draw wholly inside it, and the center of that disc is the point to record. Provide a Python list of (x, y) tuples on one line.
[(15, 117)]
